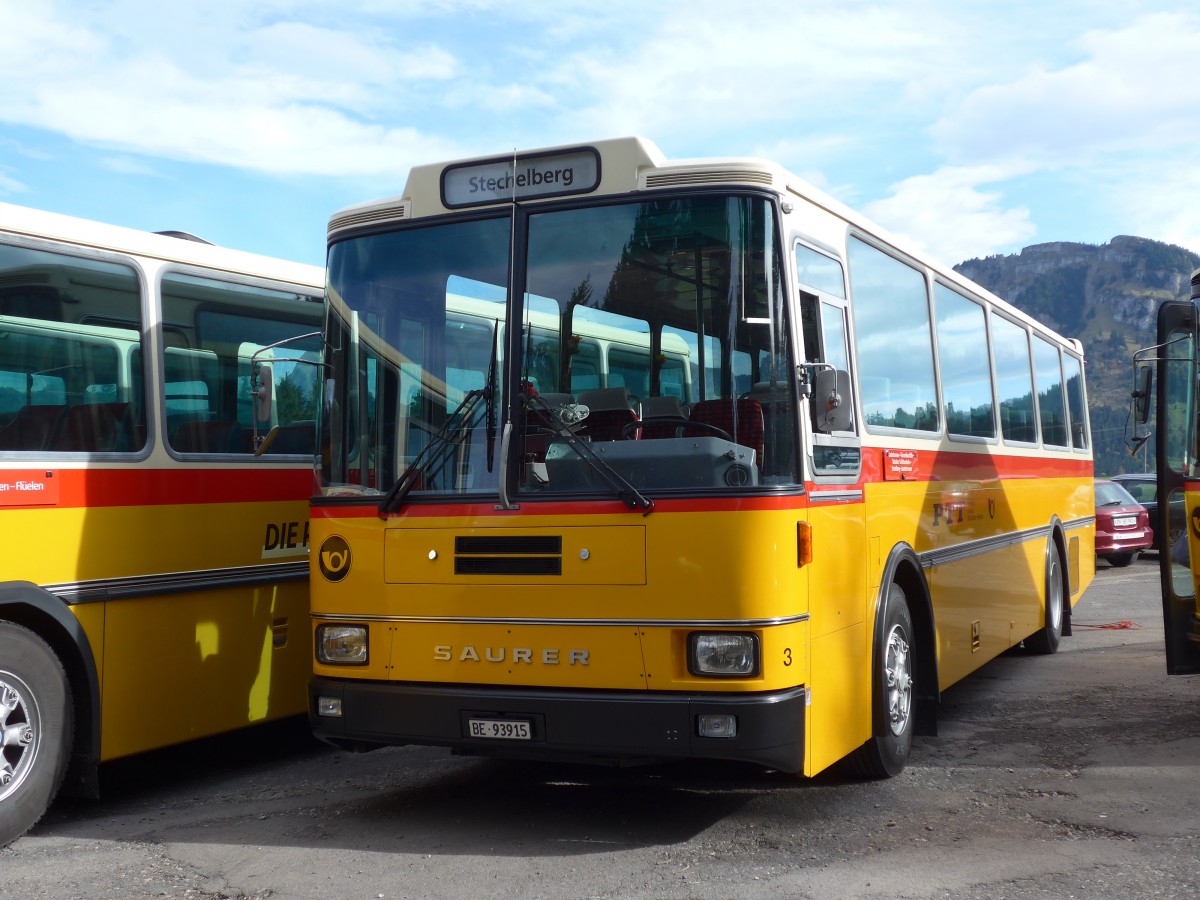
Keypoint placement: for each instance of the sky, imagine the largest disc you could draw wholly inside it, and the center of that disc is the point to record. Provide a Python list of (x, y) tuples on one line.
[(968, 128)]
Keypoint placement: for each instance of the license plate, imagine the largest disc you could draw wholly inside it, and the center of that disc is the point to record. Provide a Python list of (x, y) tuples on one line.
[(1125, 522), (499, 729)]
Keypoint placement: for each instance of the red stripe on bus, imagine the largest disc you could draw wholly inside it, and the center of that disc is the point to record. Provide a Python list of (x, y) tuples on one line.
[(167, 487)]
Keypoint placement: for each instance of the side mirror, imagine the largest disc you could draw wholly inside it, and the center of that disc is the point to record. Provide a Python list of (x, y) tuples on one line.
[(832, 410), (262, 391), (1143, 381)]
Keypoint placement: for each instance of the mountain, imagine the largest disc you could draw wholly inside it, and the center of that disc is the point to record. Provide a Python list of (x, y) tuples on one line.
[(1106, 295)]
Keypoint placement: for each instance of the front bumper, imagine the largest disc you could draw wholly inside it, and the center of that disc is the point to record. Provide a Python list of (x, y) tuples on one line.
[(592, 726)]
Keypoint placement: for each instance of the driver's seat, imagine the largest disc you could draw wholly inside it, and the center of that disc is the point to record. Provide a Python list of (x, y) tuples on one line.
[(741, 419)]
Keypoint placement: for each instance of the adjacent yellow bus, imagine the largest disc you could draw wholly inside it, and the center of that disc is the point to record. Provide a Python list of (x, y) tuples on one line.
[(158, 398), (829, 479), (1177, 461)]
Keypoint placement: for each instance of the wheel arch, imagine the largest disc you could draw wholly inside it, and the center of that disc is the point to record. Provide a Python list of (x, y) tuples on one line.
[(903, 568), (46, 615)]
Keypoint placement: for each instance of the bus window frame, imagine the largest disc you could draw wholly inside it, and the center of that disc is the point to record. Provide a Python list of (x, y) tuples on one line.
[(143, 347), (824, 300)]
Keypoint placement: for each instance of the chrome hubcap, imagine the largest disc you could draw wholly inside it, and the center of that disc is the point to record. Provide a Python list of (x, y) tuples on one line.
[(1054, 596), (19, 736), (898, 673)]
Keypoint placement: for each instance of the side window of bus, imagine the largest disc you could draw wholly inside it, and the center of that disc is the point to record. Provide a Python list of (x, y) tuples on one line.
[(70, 354), (1073, 369), (963, 357), (224, 340), (894, 341), (1014, 381), (1052, 400)]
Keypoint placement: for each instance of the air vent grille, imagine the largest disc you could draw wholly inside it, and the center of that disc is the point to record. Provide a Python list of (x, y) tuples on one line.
[(696, 177), (359, 218), (508, 555), (508, 565)]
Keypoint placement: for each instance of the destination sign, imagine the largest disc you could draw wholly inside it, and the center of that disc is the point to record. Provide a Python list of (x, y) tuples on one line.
[(525, 178)]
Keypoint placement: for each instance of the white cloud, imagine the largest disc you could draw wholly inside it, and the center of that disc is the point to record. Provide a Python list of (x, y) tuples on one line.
[(929, 110), (11, 185), (1153, 197), (285, 97), (950, 216), (1133, 87)]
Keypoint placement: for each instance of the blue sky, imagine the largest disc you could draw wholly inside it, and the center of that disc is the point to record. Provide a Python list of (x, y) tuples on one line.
[(969, 128)]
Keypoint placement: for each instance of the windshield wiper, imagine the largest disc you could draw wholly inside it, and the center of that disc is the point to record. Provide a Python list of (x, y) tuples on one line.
[(629, 495), (455, 426)]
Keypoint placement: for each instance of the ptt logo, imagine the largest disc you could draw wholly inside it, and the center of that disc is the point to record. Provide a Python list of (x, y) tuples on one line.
[(334, 558)]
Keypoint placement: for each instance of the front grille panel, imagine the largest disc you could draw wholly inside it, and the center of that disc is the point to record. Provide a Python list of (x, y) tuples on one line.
[(508, 565), (519, 544), (509, 555)]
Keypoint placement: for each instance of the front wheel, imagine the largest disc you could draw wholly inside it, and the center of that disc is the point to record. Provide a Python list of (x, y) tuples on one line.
[(886, 752), (36, 728)]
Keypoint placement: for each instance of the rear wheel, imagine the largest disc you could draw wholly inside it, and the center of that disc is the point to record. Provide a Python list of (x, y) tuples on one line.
[(1047, 639), (886, 752), (1121, 560), (36, 728)]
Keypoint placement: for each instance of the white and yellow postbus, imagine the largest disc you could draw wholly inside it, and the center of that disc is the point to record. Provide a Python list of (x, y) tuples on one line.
[(158, 398), (874, 478)]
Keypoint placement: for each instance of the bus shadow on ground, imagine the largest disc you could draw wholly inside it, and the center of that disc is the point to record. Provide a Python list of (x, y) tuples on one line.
[(280, 787)]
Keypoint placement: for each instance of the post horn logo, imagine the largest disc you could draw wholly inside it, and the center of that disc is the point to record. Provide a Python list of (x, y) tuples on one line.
[(334, 558)]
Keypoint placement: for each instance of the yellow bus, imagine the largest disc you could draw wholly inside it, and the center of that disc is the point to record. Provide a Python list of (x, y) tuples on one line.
[(1177, 464), (875, 477), (158, 398)]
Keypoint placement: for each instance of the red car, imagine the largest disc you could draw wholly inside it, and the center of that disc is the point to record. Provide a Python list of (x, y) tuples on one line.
[(1122, 525)]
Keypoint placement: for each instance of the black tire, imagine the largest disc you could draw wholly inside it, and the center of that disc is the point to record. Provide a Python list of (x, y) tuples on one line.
[(37, 726), (886, 752), (1121, 560), (1046, 640)]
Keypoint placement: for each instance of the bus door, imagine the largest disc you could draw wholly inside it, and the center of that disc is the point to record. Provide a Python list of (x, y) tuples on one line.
[(837, 575), (1178, 465)]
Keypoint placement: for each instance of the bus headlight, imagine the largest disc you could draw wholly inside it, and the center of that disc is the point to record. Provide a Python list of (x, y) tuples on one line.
[(730, 654), (344, 645)]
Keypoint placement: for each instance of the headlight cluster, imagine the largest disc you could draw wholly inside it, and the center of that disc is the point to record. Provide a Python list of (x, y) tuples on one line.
[(723, 654), (344, 645)]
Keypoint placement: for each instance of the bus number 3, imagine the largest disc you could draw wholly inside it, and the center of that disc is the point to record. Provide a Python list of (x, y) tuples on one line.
[(787, 656)]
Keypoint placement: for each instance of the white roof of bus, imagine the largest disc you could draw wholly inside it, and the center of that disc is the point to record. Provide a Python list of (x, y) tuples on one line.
[(33, 223)]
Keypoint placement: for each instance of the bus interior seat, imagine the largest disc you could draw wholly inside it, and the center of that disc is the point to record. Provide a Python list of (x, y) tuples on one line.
[(94, 427), (670, 412), (30, 428), (741, 419), (606, 398), (609, 411)]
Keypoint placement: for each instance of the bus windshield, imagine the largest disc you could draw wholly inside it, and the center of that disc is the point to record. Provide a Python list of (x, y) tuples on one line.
[(650, 339)]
